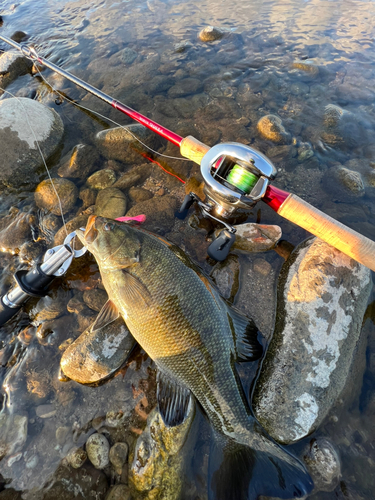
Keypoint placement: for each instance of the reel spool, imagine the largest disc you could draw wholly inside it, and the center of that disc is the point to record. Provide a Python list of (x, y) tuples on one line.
[(236, 177)]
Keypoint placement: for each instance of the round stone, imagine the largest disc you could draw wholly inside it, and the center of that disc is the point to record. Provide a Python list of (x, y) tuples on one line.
[(323, 463), (210, 34), (102, 179), (110, 203), (20, 156), (45, 195), (270, 127), (77, 457), (97, 448), (118, 456)]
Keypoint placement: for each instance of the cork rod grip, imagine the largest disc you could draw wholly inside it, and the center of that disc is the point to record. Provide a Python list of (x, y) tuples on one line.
[(330, 230), (193, 149)]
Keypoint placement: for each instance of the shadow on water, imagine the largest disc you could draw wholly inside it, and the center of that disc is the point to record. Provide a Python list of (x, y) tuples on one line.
[(147, 55)]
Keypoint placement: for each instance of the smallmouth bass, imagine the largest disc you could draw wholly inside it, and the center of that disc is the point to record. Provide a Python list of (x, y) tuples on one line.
[(194, 338)]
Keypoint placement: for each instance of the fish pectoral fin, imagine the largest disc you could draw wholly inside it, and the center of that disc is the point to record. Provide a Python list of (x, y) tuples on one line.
[(248, 347), (134, 290), (107, 315), (173, 400)]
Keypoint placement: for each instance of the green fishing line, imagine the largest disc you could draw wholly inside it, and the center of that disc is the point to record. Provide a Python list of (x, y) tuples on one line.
[(242, 178)]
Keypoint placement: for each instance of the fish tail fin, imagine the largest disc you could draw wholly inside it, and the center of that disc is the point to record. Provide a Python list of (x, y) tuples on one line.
[(238, 472)]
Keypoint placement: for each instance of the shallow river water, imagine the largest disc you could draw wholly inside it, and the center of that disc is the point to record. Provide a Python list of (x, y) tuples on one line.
[(216, 92)]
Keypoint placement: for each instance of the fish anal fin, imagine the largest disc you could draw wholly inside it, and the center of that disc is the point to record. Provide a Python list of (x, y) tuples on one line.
[(173, 400), (245, 332), (107, 315), (134, 291)]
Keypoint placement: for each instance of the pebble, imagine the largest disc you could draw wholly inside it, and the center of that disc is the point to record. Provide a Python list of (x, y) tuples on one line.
[(111, 203), (13, 433), (76, 457), (322, 298), (95, 298), (45, 196), (307, 67), (128, 56), (32, 462), (20, 157), (323, 463), (97, 448), (12, 65), (270, 127), (119, 492), (80, 162), (45, 411), (343, 184), (127, 180), (211, 34), (261, 266), (88, 197), (138, 194), (102, 179), (16, 231), (118, 456), (61, 434)]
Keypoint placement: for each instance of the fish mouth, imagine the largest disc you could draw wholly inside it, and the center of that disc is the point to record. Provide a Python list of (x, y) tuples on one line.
[(91, 232)]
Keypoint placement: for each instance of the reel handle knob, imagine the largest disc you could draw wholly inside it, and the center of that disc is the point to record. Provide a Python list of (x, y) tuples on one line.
[(186, 204), (220, 247)]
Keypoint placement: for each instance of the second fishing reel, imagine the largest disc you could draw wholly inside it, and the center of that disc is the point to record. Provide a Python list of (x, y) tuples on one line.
[(235, 177)]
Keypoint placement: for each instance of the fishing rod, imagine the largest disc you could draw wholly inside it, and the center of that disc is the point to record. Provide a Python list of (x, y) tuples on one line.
[(235, 177)]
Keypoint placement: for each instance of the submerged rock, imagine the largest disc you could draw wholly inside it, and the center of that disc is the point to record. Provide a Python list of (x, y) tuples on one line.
[(20, 156), (13, 433), (270, 127), (227, 277), (97, 354), (80, 162), (343, 184), (118, 456), (76, 457), (15, 231), (102, 179), (111, 203), (157, 467), (45, 195), (97, 448), (119, 492), (12, 65), (210, 34), (323, 463), (322, 297)]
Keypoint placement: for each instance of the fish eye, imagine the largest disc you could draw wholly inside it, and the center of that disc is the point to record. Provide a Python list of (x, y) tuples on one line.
[(108, 226)]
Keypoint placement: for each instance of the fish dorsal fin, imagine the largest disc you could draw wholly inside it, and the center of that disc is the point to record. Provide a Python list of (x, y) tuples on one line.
[(134, 291), (245, 334), (107, 315), (173, 400)]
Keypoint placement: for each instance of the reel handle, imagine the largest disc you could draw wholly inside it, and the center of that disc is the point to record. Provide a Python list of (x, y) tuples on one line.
[(296, 210)]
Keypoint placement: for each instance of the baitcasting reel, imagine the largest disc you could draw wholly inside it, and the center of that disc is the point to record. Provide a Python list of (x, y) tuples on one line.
[(236, 177)]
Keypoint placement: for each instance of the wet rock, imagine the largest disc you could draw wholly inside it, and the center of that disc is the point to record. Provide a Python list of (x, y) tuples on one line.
[(323, 463), (45, 411), (49, 224), (45, 195), (159, 211), (185, 87), (51, 306), (120, 144), (97, 448), (227, 277), (305, 152), (72, 225), (322, 297), (97, 354), (88, 197), (111, 203), (20, 157), (128, 56), (61, 434), (128, 180), (85, 483), (182, 46), (15, 230), (332, 115), (210, 34), (19, 36), (252, 237), (13, 433), (157, 466), (118, 456), (95, 298), (270, 127), (308, 68), (12, 65), (138, 194), (80, 162), (261, 266), (76, 457), (32, 251), (102, 179), (343, 184)]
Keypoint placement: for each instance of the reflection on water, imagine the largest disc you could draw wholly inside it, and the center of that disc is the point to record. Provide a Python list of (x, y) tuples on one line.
[(311, 63)]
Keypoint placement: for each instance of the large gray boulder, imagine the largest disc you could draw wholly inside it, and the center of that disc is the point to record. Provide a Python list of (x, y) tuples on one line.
[(322, 299), (20, 119)]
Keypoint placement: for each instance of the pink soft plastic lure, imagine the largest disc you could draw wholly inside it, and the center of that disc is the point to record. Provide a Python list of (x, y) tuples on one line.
[(138, 219)]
